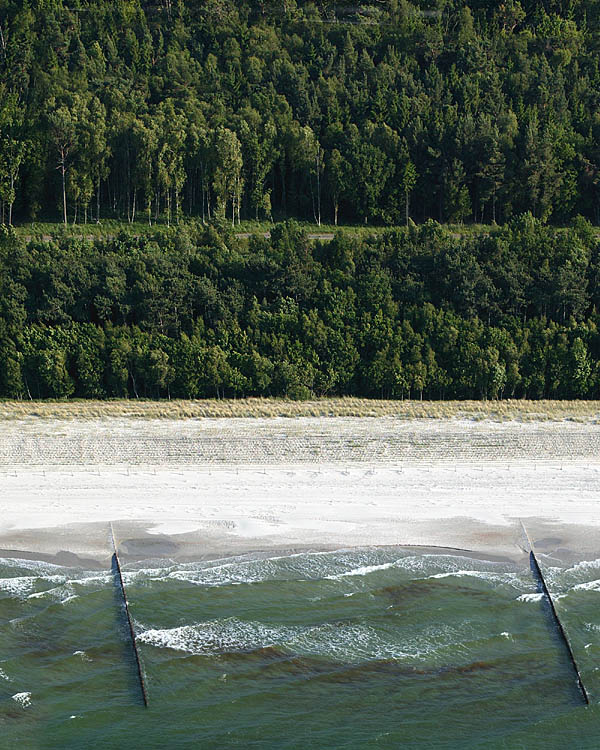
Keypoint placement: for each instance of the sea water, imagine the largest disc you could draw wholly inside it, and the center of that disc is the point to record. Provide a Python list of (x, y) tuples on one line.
[(364, 648)]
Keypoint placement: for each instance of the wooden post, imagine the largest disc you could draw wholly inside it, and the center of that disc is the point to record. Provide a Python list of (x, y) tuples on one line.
[(561, 631), (134, 646)]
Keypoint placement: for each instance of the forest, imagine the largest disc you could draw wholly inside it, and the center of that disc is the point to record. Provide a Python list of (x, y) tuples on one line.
[(416, 312), (375, 113), (191, 116)]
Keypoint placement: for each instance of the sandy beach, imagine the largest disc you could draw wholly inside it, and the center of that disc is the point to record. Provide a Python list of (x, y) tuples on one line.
[(220, 486)]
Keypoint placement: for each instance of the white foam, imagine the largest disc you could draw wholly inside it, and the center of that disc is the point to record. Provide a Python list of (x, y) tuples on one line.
[(584, 565), (35, 566), (530, 597), (61, 594), (345, 641), (88, 579), (483, 575), (20, 586), (24, 586), (589, 586), (211, 637), (23, 699), (300, 566), (4, 676), (362, 571), (326, 566), (35, 586)]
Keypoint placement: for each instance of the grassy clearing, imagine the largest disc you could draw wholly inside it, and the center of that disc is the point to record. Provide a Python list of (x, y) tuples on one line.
[(46, 230), (113, 227), (580, 411)]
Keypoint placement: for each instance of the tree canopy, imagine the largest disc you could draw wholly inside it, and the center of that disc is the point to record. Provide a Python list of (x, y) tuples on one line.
[(416, 312), (371, 112)]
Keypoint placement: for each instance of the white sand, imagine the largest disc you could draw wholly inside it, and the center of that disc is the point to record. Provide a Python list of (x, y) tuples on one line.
[(275, 501), (548, 471)]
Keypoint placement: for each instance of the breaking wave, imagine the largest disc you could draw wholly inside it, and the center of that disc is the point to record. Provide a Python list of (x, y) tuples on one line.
[(348, 642), (333, 566)]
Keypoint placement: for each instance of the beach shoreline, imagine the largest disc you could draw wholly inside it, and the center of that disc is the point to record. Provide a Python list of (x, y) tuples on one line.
[(226, 487)]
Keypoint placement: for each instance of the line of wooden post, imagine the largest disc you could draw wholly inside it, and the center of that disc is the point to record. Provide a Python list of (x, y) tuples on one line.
[(534, 565), (134, 645), (559, 626)]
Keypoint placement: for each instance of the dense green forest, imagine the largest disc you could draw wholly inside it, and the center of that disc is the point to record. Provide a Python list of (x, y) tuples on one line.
[(315, 110), (385, 113), (415, 312)]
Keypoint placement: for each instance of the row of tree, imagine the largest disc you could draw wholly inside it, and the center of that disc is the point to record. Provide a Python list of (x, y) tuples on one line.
[(368, 112), (412, 313)]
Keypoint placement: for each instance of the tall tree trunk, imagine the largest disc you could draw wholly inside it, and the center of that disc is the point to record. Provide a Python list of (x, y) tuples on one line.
[(312, 199), (134, 384), (64, 189), (10, 205), (129, 219), (283, 190), (203, 191), (319, 188)]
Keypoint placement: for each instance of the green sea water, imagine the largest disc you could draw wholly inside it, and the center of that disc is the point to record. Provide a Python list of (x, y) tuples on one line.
[(365, 648)]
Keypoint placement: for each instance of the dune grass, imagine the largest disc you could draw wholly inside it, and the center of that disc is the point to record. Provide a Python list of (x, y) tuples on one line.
[(521, 410), (43, 230)]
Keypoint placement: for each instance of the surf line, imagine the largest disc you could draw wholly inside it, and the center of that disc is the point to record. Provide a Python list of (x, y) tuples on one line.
[(134, 645), (535, 566)]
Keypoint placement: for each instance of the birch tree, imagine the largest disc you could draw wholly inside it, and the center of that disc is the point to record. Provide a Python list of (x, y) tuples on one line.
[(13, 150), (311, 155), (63, 138), (227, 179)]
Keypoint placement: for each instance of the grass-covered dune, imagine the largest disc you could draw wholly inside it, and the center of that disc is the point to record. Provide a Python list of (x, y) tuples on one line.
[(509, 409)]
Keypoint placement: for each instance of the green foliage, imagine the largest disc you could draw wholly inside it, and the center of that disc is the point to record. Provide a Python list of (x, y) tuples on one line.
[(189, 313), (379, 113), (229, 111)]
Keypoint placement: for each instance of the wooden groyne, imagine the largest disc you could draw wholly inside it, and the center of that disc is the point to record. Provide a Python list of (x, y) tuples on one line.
[(134, 645), (535, 566)]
